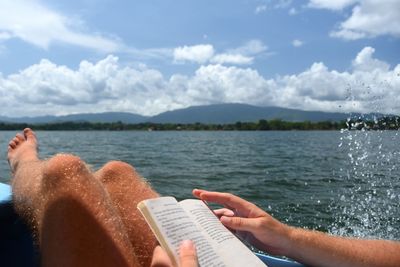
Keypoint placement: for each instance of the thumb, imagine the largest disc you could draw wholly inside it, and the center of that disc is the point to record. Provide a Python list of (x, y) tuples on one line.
[(239, 223), (187, 254), (160, 258)]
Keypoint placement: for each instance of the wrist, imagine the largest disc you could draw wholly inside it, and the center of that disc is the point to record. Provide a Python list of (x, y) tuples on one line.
[(293, 235), (282, 243)]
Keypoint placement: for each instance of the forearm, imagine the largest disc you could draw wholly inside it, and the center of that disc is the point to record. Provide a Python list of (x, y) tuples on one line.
[(319, 249), (308, 247)]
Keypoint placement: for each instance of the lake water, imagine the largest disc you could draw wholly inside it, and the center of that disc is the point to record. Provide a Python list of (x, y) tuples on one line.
[(346, 183)]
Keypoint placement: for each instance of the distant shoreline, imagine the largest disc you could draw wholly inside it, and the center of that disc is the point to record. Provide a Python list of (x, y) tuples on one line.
[(387, 123)]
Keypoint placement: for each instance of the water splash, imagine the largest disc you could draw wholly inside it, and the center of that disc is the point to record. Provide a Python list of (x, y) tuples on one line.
[(368, 203)]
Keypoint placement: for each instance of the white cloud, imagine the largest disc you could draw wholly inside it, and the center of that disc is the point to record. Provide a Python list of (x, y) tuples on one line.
[(236, 59), (365, 62), (331, 4), (205, 53), (47, 88), (36, 24), (242, 55), (368, 19), (371, 18), (272, 4), (250, 48), (371, 86), (283, 4), (107, 85), (196, 53), (5, 36), (348, 34), (297, 43), (260, 9), (217, 83)]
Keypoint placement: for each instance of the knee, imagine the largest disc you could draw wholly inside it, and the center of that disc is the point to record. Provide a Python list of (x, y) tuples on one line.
[(114, 170), (117, 168), (63, 167)]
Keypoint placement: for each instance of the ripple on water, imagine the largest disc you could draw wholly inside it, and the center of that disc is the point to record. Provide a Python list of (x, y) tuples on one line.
[(303, 178)]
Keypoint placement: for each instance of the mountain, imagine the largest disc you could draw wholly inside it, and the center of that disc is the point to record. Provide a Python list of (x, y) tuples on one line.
[(216, 114), (90, 117), (231, 113)]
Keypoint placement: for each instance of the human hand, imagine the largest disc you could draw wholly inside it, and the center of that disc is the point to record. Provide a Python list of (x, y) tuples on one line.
[(249, 221), (187, 256), (224, 212)]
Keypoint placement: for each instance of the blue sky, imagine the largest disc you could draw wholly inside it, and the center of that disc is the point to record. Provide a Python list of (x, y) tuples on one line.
[(61, 57)]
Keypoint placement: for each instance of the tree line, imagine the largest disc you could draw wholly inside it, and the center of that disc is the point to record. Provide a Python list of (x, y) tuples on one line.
[(386, 123)]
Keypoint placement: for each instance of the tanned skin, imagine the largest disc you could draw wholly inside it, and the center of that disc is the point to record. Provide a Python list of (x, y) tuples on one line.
[(312, 248), (85, 218)]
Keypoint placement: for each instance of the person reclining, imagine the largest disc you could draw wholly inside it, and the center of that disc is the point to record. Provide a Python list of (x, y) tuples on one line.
[(82, 217)]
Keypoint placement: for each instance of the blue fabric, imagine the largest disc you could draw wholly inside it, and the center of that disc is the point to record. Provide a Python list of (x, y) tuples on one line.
[(5, 192), (277, 262)]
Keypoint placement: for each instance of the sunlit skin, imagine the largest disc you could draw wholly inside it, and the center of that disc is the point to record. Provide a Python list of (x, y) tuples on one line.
[(84, 218), (310, 247), (75, 213), (187, 256)]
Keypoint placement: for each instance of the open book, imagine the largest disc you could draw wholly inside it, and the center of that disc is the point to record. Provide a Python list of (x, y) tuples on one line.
[(173, 221)]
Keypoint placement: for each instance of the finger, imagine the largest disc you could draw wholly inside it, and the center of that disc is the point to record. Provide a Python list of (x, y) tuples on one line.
[(197, 192), (224, 212), (187, 254), (160, 258), (241, 224), (231, 201)]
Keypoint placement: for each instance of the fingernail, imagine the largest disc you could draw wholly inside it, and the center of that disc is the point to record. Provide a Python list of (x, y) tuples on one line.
[(187, 244), (230, 213), (225, 219)]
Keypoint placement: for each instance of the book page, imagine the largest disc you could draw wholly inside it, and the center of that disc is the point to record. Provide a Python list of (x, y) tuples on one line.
[(175, 225), (233, 251)]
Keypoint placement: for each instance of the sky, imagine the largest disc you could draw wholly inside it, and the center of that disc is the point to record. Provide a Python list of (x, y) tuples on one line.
[(150, 56)]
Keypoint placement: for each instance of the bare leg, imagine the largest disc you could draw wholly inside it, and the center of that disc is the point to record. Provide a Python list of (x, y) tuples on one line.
[(74, 219), (127, 188)]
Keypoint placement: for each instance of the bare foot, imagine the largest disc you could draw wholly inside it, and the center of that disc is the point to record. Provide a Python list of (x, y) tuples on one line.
[(22, 148)]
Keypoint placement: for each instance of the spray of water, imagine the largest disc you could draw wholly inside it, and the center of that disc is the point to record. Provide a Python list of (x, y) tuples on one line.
[(368, 204), (369, 200)]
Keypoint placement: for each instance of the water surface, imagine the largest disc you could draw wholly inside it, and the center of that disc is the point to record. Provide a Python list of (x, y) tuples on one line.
[(342, 182)]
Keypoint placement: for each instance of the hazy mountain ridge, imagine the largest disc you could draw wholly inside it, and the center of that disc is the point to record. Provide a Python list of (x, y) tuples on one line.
[(231, 113), (215, 114), (90, 117)]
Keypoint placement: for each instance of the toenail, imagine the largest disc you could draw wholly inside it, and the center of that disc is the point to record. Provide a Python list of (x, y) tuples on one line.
[(28, 130)]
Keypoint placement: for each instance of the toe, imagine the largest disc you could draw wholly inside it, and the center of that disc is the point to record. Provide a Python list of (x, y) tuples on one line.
[(12, 144), (20, 137), (29, 134), (16, 140)]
